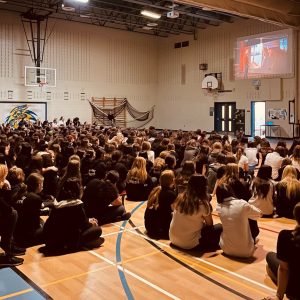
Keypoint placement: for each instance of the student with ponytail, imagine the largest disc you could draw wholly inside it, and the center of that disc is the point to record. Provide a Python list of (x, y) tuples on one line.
[(158, 214), (284, 266)]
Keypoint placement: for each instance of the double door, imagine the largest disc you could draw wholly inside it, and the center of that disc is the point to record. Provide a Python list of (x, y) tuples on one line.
[(225, 116)]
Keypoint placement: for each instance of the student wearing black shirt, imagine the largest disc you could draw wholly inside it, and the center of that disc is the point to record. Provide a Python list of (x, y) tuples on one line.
[(284, 267), (68, 227), (8, 219), (101, 199), (158, 214), (29, 229)]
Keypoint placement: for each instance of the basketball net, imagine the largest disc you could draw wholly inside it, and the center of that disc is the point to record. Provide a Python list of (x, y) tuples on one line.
[(43, 86), (211, 92)]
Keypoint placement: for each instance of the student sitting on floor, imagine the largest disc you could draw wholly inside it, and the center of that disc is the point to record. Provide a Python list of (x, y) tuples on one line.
[(263, 191), (158, 214), (138, 183), (288, 192), (8, 219), (29, 229), (192, 223), (284, 267), (236, 238), (68, 227), (101, 198)]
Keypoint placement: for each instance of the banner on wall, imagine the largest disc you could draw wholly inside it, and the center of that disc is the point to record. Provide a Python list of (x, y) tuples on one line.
[(13, 112), (277, 113)]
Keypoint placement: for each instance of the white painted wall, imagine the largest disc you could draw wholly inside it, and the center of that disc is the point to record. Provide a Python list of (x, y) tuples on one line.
[(188, 103), (94, 60), (146, 70)]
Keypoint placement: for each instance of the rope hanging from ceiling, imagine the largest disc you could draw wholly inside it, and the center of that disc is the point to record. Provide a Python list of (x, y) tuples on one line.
[(107, 116)]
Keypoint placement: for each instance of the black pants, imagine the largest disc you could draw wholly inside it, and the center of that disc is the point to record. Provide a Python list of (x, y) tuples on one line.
[(210, 237), (273, 264), (32, 238), (90, 237), (7, 227), (111, 214), (253, 228)]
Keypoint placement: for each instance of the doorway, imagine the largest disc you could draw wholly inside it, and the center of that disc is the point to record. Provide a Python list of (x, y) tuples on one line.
[(224, 116), (258, 117)]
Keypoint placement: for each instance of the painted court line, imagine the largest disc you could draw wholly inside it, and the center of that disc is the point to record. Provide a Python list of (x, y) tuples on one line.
[(157, 288), (235, 274), (211, 264), (125, 230)]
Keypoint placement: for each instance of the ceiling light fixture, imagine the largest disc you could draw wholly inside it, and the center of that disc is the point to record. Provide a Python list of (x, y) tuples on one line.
[(82, 1), (150, 14)]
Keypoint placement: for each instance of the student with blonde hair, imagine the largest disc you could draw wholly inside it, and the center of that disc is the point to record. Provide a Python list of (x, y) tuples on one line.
[(158, 214), (138, 183), (288, 192)]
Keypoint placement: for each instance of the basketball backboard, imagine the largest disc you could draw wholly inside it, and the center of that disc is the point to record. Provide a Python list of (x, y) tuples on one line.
[(35, 76)]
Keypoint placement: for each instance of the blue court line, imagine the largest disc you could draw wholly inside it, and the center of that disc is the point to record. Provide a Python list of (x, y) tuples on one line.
[(11, 282), (119, 258)]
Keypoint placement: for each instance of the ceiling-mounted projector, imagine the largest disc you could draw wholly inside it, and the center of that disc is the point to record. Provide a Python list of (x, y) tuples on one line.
[(173, 14)]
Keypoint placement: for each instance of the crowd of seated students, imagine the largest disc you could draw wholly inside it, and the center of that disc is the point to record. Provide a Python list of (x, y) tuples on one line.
[(82, 170)]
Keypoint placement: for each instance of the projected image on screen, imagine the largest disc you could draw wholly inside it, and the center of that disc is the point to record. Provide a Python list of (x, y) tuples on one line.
[(266, 55)]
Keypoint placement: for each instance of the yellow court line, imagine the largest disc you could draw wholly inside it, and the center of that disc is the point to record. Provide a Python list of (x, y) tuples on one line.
[(194, 263), (16, 294), (74, 276), (95, 270)]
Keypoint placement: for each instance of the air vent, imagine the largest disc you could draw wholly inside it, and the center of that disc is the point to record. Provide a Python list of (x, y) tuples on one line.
[(185, 44), (177, 45)]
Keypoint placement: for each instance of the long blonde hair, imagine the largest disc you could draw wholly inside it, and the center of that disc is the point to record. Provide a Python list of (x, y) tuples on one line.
[(289, 179), (166, 180), (138, 170), (3, 174)]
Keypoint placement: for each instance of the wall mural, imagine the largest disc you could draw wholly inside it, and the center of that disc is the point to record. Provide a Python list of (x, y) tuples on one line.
[(13, 112)]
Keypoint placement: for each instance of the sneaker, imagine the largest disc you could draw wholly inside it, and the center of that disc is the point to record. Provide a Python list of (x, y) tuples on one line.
[(6, 261)]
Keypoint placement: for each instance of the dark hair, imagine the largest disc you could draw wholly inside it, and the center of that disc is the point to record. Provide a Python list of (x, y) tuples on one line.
[(26, 149), (282, 151), (112, 176), (188, 168), (170, 161), (197, 185), (265, 172), (70, 189), (100, 170), (223, 191)]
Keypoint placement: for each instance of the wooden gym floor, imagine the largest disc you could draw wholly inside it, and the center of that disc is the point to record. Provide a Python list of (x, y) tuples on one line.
[(131, 265)]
